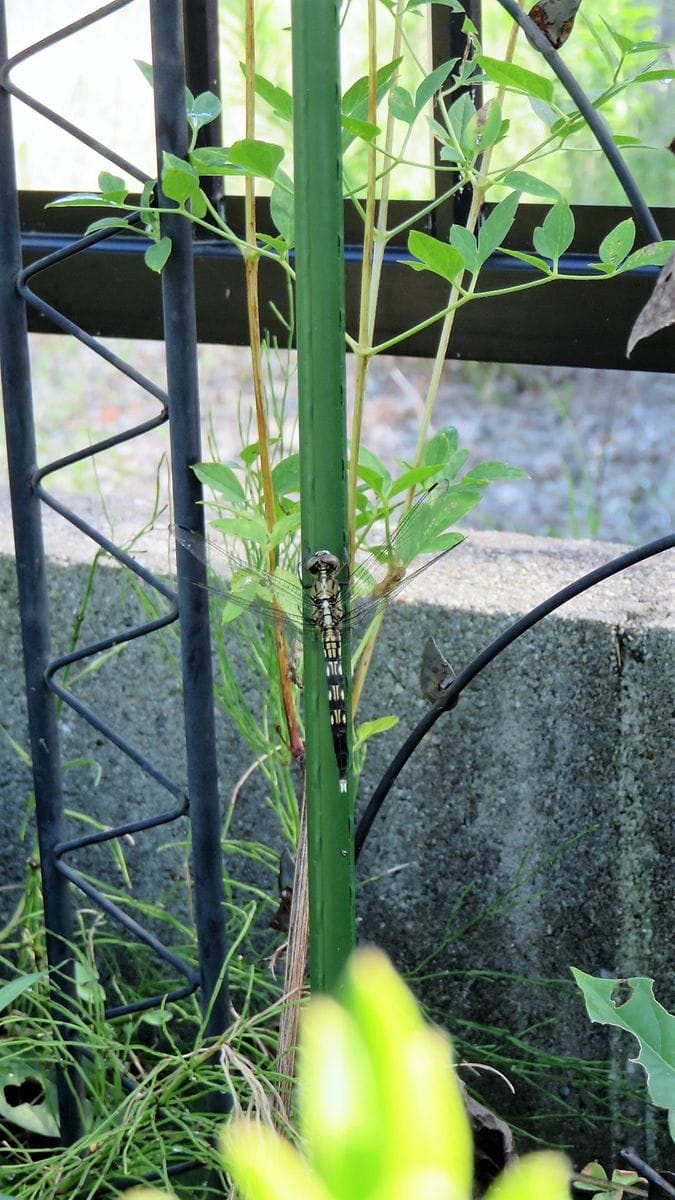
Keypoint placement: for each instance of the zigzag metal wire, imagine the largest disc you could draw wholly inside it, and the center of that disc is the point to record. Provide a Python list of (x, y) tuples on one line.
[(88, 714)]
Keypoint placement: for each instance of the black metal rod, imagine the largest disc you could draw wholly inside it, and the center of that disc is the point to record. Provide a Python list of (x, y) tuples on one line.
[(644, 1169), (33, 606), (48, 113), (180, 332), (451, 695), (596, 123), (202, 68)]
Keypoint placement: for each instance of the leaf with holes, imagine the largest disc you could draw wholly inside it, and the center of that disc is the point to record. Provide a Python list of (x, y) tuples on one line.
[(630, 1004), (28, 1099), (618, 243)]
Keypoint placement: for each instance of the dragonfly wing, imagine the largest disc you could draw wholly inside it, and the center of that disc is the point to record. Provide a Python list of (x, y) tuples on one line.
[(381, 576), (365, 608), (245, 587)]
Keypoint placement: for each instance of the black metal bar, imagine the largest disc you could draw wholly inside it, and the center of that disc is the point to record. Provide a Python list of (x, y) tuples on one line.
[(202, 70), (654, 1177), (32, 587), (512, 328), (451, 695), (180, 331), (593, 118), (448, 40), (48, 113)]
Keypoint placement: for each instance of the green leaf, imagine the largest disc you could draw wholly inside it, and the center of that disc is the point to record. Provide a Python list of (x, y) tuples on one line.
[(440, 447), (524, 182), (282, 206), (553, 237), (453, 462), (279, 100), (544, 111), (9, 992), (286, 476), (618, 243), (464, 241), (455, 5), (459, 115), (212, 160), (360, 129), (222, 479), (256, 157), (283, 528), (179, 179), (112, 187), (198, 204), (157, 254), (492, 470), (483, 129), (450, 154), (39, 1117), (439, 257), (203, 109), (157, 1017), (654, 255), (413, 477), (355, 98), (378, 476), (494, 229), (111, 223), (515, 78), (654, 76), (251, 528), (146, 71), (431, 83), (368, 729), (532, 259), (642, 1016), (82, 200), (401, 105)]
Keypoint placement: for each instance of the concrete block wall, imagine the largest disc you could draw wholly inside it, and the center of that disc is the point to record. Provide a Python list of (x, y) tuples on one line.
[(533, 830)]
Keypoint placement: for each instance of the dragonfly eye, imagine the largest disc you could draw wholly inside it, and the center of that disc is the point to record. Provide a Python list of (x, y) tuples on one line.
[(323, 560)]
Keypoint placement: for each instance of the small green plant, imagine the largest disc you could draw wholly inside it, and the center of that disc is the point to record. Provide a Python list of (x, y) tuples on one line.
[(622, 1183), (630, 1004), (381, 1112)]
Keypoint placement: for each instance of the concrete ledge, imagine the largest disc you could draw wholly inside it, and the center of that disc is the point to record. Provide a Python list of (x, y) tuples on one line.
[(544, 802)]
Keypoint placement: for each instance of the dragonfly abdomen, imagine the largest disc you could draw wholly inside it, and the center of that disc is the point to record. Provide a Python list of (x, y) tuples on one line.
[(327, 615)]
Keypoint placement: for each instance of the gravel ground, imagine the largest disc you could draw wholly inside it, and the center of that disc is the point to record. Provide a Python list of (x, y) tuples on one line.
[(597, 445)]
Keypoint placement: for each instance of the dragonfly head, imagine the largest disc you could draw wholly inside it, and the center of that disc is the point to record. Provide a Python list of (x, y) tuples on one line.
[(323, 562)]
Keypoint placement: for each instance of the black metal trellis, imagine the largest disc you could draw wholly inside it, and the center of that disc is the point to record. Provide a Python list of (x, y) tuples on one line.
[(179, 406)]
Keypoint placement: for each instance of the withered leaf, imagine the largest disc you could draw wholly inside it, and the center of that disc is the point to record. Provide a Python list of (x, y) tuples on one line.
[(659, 311)]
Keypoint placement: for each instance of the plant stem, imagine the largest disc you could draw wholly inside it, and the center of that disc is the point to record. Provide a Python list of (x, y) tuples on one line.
[(251, 260), (477, 201), (365, 322)]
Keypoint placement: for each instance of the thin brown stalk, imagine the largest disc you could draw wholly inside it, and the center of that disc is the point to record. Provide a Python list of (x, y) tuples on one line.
[(251, 261)]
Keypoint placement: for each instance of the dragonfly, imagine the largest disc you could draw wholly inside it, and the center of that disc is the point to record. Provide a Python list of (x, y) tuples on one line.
[(339, 596)]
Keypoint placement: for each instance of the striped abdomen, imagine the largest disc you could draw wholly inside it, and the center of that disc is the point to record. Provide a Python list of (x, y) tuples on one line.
[(327, 615)]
